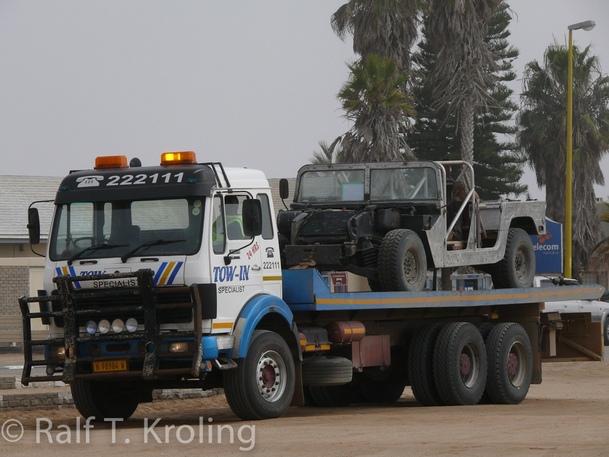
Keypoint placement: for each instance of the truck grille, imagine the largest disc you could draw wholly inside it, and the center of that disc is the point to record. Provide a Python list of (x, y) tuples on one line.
[(125, 303)]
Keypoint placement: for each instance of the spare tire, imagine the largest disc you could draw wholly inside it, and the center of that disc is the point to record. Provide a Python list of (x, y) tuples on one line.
[(326, 371)]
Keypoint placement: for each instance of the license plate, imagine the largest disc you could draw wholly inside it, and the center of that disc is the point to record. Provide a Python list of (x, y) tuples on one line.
[(109, 365)]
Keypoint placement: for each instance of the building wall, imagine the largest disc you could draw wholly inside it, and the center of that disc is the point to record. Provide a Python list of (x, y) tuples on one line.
[(15, 282)]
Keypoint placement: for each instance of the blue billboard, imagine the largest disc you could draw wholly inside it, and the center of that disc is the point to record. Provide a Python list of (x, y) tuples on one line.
[(549, 249)]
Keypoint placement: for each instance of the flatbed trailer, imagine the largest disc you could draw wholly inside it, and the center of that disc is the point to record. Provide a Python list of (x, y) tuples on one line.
[(575, 335)]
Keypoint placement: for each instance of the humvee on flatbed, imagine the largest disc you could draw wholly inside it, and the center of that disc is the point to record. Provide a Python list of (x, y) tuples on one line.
[(392, 222)]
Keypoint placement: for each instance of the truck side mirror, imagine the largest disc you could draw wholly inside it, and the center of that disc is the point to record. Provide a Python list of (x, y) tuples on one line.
[(33, 225), (284, 188), (252, 217)]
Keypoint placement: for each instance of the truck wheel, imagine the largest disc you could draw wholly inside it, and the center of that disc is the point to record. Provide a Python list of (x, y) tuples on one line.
[(334, 396), (460, 364), (326, 371), (402, 262), (103, 399), (510, 364), (262, 385), (420, 365), (517, 268), (384, 391)]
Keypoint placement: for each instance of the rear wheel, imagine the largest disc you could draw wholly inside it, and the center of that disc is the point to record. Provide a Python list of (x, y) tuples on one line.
[(420, 365), (334, 396), (510, 364), (402, 262), (460, 364), (383, 391), (517, 268), (262, 385)]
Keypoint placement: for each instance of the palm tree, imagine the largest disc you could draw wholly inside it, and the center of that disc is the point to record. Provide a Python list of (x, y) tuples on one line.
[(374, 96), (465, 64), (386, 28), (327, 154), (374, 99), (601, 250), (435, 134), (543, 133)]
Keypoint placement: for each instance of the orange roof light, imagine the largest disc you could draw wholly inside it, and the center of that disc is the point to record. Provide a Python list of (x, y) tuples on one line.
[(178, 158), (111, 162)]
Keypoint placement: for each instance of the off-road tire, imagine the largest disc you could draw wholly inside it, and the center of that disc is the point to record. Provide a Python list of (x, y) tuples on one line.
[(517, 268), (402, 262)]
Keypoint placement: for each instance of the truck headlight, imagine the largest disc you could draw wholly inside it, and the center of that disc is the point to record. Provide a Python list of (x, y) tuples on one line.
[(59, 352), (131, 325), (118, 325), (178, 346), (104, 326), (91, 327)]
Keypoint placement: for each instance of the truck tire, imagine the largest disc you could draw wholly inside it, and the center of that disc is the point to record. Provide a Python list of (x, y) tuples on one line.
[(334, 396), (517, 268), (460, 364), (386, 384), (262, 385), (420, 365), (104, 399), (383, 391), (402, 262), (510, 364), (326, 371)]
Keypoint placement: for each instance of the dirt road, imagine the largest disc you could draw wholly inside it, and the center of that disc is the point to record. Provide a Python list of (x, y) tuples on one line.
[(567, 415)]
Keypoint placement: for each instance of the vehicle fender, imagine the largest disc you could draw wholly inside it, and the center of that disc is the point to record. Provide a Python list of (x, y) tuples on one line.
[(252, 313)]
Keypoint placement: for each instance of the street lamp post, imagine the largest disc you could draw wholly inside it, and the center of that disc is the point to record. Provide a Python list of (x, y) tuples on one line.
[(586, 25)]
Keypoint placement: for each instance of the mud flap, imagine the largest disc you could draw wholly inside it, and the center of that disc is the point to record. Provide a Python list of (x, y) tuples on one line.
[(568, 337)]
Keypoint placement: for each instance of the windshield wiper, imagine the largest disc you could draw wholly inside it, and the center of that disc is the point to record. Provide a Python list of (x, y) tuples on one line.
[(146, 245), (95, 247)]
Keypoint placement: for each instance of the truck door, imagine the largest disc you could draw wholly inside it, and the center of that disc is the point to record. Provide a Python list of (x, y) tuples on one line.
[(236, 260), (269, 248)]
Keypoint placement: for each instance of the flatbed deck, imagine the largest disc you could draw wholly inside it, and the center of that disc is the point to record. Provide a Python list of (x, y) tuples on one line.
[(306, 290)]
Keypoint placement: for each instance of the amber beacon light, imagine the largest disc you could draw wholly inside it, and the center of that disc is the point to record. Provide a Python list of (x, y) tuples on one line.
[(177, 158), (111, 162)]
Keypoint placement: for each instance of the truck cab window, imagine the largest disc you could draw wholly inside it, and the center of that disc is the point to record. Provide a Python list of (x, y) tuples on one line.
[(267, 223), (228, 222)]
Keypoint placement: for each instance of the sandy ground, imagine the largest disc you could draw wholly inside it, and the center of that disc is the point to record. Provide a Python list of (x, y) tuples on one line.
[(566, 415)]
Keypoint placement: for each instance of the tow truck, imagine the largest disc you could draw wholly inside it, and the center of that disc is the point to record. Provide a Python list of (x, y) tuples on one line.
[(171, 276)]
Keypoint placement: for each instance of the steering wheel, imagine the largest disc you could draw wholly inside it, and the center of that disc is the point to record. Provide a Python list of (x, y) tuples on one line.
[(75, 241)]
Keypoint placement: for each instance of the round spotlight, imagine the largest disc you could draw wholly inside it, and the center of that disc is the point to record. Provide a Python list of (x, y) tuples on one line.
[(118, 325), (104, 326), (91, 327), (131, 325)]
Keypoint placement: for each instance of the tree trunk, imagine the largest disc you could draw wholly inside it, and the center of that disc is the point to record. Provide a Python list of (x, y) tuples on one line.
[(466, 124)]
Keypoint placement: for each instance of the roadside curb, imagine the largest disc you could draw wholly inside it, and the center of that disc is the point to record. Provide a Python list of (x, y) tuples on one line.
[(53, 397)]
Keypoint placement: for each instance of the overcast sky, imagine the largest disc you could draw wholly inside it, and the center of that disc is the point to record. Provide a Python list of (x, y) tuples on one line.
[(247, 82)]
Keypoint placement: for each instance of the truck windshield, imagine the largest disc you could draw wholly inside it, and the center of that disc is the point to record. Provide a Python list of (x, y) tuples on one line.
[(84, 230)]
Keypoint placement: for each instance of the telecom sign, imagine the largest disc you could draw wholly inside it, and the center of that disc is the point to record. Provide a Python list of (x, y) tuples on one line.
[(548, 249)]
